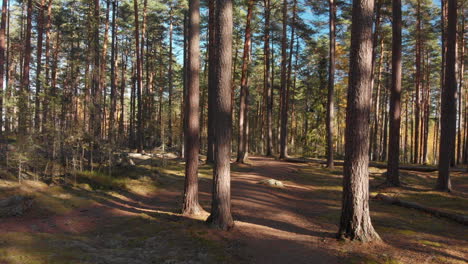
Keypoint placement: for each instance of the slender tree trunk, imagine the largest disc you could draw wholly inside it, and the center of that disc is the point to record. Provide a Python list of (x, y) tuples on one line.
[(211, 81), (170, 79), (418, 83), (102, 71), (355, 217), (221, 201), (267, 81), (448, 104), (289, 74), (40, 35), (46, 102), (139, 83), (113, 74), (376, 146), (184, 92), (192, 127), (461, 69), (393, 176), (284, 88), (122, 93), (2, 58), (243, 104), (23, 118), (331, 84), (96, 85)]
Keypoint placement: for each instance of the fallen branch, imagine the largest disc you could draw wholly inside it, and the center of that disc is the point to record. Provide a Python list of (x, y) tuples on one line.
[(462, 219)]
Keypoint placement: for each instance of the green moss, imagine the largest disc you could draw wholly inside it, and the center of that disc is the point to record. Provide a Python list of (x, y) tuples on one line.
[(430, 243)]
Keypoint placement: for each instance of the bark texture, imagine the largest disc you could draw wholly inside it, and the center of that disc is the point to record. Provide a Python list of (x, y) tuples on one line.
[(192, 126), (448, 103), (395, 98), (221, 202), (355, 218)]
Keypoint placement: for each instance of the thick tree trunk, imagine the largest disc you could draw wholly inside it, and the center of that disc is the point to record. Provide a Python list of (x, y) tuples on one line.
[(192, 127), (221, 202), (393, 176), (331, 84), (448, 103), (355, 217), (243, 103)]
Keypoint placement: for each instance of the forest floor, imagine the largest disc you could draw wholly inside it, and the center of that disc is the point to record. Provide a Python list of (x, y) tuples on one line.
[(132, 217)]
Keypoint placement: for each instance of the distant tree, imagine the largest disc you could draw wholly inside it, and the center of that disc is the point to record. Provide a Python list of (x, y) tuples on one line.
[(284, 85), (243, 103), (23, 124), (267, 80), (139, 82), (331, 84), (2, 58), (355, 221)]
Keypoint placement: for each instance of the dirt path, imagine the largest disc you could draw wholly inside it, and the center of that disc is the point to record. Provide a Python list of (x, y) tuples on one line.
[(277, 225), (296, 224)]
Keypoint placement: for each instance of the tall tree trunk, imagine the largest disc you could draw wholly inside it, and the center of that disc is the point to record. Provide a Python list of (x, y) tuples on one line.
[(192, 127), (243, 102), (418, 84), (46, 102), (96, 85), (170, 79), (284, 88), (290, 66), (122, 94), (2, 58), (40, 35), (102, 71), (393, 176), (267, 81), (355, 217), (331, 84), (184, 91), (375, 144), (139, 83), (212, 43), (448, 104), (23, 118), (375, 41), (113, 97), (221, 201), (461, 69)]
